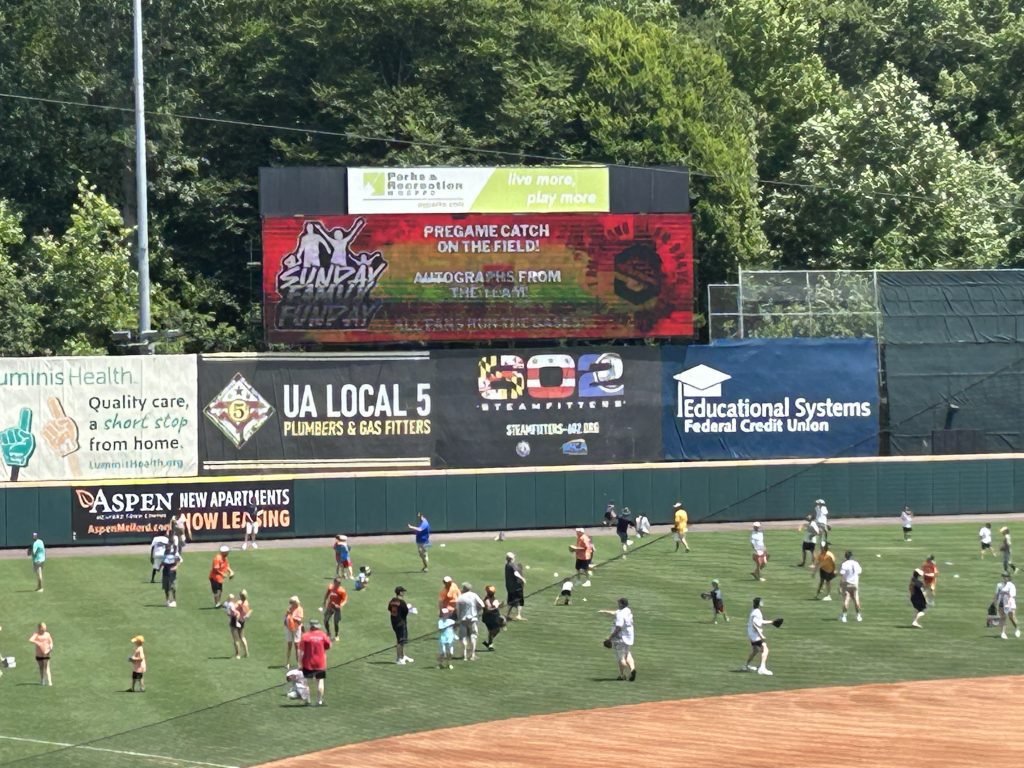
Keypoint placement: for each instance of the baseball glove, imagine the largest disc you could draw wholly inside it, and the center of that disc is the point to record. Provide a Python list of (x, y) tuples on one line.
[(705, 595), (607, 643), (776, 622)]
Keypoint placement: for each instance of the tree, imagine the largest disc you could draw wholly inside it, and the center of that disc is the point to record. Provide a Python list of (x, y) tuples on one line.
[(888, 188), (19, 316)]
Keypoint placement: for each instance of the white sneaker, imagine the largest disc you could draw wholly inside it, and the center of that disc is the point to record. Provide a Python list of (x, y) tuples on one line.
[(400, 661), (1017, 633), (842, 617), (408, 659), (245, 546), (172, 604), (859, 617), (586, 583), (255, 545), (1003, 636), (763, 671), (750, 668), (827, 599)]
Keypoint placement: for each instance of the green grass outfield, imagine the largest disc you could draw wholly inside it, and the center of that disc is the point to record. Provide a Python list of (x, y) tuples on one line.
[(204, 707)]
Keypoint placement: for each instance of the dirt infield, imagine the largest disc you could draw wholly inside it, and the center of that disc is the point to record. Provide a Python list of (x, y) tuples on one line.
[(952, 723)]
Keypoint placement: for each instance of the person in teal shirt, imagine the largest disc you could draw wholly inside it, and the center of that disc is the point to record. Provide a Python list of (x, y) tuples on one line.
[(446, 639), (38, 553)]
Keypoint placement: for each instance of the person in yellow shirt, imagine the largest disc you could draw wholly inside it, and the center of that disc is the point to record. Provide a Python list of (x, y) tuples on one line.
[(826, 571), (680, 520)]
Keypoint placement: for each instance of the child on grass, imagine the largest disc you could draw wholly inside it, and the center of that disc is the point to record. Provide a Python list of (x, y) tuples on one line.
[(446, 640), (138, 662), (565, 596), (717, 602)]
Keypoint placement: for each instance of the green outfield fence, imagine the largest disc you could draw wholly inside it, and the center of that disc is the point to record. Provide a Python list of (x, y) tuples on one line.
[(507, 500)]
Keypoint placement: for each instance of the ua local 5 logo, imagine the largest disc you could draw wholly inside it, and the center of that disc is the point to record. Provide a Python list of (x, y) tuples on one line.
[(554, 376)]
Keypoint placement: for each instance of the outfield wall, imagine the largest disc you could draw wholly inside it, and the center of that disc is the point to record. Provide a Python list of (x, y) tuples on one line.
[(373, 503)]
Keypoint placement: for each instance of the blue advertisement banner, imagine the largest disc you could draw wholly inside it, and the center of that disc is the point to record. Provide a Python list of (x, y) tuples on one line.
[(770, 399)]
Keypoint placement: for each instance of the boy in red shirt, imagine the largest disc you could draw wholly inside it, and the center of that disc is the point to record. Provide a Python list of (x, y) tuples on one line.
[(930, 575), (334, 600), (218, 571), (313, 658)]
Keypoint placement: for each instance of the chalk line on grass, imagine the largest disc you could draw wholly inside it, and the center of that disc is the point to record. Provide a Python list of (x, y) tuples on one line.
[(181, 760)]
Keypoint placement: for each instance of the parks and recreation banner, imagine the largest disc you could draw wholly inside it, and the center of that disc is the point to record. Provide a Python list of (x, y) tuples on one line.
[(313, 412), (545, 407), (771, 399), (67, 418), (515, 189), (214, 510), (477, 277)]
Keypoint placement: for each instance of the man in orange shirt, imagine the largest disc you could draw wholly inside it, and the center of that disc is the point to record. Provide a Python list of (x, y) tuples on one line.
[(449, 594), (334, 600), (584, 551), (930, 575), (292, 629), (218, 571)]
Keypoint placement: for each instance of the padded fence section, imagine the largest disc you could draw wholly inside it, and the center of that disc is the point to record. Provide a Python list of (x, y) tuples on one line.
[(494, 501)]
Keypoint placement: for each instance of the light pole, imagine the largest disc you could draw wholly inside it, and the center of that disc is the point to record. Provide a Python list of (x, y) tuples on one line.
[(141, 200)]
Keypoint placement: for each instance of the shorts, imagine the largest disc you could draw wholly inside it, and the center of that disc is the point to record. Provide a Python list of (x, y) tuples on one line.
[(1009, 605), (565, 593), (236, 624), (757, 643), (216, 586), (422, 546), (42, 658), (137, 675), (680, 535), (516, 599), (850, 589), (582, 565), (623, 536), (466, 628), (622, 650), (252, 528), (719, 605), (493, 621), (825, 576), (445, 648), (760, 558), (345, 563), (986, 546), (908, 528), (169, 580), (157, 562), (808, 546), (331, 610), (401, 633), (293, 637), (319, 674)]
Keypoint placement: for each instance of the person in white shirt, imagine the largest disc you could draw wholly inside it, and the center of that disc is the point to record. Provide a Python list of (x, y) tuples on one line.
[(621, 639), (907, 521), (565, 596), (1006, 603), (811, 531), (252, 527), (157, 550), (821, 518), (985, 537), (759, 554), (758, 643), (849, 584), (467, 611), (643, 525)]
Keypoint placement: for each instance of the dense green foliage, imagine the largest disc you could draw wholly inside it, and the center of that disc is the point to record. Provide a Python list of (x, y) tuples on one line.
[(203, 705), (895, 127)]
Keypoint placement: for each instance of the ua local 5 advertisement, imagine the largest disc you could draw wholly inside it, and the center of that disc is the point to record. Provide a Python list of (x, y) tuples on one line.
[(548, 407), (310, 412), (473, 277)]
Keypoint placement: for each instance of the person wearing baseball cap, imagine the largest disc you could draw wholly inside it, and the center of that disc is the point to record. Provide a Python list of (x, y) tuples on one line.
[(449, 594), (584, 551), (138, 662), (760, 553), (515, 586), (218, 570), (312, 651), (679, 523), (399, 611)]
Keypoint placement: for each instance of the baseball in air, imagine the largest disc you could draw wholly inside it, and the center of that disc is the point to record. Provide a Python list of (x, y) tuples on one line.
[(321, 609), (584, 599), (443, 545), (527, 567), (555, 574)]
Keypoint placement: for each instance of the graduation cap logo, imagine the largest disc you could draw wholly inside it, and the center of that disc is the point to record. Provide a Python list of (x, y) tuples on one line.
[(701, 381)]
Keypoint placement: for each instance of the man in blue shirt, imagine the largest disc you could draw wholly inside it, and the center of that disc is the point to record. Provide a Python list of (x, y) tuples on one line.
[(422, 529), (38, 553)]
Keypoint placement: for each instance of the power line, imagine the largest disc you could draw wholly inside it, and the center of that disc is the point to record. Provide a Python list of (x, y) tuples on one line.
[(306, 130)]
